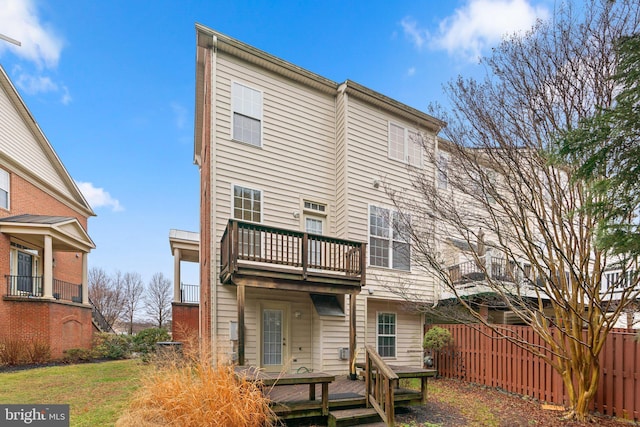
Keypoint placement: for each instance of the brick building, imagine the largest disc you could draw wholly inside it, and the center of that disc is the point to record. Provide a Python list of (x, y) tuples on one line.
[(43, 237)]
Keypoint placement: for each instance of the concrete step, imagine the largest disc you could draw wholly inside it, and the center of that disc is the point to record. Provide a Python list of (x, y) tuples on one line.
[(352, 417)]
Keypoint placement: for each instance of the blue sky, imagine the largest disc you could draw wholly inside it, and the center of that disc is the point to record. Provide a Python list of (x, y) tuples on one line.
[(111, 84)]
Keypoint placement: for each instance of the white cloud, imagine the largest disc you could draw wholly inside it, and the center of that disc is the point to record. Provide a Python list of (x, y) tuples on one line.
[(35, 84), (98, 197), (478, 25), (40, 43), (411, 71), (66, 96), (415, 34), (180, 114)]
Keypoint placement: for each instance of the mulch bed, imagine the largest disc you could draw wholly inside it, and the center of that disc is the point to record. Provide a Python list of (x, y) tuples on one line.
[(509, 409)]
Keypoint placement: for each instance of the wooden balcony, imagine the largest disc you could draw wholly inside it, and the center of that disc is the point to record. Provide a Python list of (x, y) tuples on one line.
[(259, 256), (497, 268)]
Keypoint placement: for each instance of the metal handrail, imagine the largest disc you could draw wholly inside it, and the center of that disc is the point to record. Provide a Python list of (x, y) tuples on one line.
[(99, 319), (189, 293)]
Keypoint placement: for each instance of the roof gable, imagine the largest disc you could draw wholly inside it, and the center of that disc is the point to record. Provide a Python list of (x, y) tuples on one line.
[(25, 150)]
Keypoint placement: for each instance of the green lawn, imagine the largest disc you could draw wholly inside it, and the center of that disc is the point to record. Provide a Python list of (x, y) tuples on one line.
[(97, 392)]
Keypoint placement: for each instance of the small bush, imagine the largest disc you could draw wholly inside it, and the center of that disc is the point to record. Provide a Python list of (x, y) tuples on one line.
[(193, 392), (436, 339), (145, 340), (38, 352), (13, 352), (111, 346), (75, 355)]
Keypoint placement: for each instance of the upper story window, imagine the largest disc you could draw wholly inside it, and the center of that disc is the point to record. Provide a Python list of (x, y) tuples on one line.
[(442, 171), (405, 145), (4, 189), (313, 206), (247, 204), (388, 240), (247, 114)]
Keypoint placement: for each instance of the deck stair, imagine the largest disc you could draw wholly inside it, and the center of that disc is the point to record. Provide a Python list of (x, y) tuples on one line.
[(352, 417)]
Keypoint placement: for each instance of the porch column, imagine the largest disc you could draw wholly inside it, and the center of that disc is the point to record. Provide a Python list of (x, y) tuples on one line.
[(176, 275), (47, 291), (240, 298), (352, 334), (85, 280)]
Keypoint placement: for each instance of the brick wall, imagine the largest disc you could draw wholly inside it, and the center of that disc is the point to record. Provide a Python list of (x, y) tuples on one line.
[(26, 198), (207, 255), (59, 324), (185, 321)]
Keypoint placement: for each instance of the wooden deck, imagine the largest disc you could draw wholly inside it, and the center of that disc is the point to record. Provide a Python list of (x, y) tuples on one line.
[(292, 396)]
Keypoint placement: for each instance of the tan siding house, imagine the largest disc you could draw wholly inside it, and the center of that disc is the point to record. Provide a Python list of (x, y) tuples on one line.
[(302, 257)]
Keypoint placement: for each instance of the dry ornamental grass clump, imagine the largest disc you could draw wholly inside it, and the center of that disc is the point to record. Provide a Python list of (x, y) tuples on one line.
[(190, 391)]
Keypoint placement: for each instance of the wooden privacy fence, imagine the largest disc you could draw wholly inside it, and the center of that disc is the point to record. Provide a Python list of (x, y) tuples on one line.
[(480, 357)]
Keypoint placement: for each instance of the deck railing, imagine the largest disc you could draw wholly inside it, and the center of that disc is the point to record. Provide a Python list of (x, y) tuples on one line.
[(24, 286), (306, 252), (380, 383), (189, 293), (498, 269)]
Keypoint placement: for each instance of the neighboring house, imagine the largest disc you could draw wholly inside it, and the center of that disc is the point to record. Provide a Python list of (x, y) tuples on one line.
[(298, 251), (43, 237), (185, 308)]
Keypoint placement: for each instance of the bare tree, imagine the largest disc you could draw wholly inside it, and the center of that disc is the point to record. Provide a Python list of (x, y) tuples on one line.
[(513, 206), (158, 299), (106, 294), (132, 287)]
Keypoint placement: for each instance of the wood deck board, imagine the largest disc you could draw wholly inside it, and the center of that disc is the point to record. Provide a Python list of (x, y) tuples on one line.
[(293, 400)]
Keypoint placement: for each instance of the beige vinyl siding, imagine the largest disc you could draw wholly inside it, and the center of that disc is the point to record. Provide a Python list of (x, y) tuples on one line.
[(299, 342), (369, 161), (342, 211), (297, 158), (296, 161), (19, 144), (408, 331), (333, 334)]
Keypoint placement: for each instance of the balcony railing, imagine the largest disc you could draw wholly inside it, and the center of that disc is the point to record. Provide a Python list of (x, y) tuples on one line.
[(189, 293), (293, 251), (498, 269), (24, 286), (32, 286), (67, 291)]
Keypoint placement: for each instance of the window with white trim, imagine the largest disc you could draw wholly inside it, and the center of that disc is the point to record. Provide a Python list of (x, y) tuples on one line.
[(313, 206), (388, 239), (443, 171), (405, 145), (247, 114), (4, 189), (386, 334), (247, 206)]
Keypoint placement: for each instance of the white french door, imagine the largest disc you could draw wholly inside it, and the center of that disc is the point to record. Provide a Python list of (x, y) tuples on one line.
[(273, 336), (314, 225)]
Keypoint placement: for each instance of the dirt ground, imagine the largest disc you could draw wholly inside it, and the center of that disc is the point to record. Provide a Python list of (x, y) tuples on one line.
[(453, 403)]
